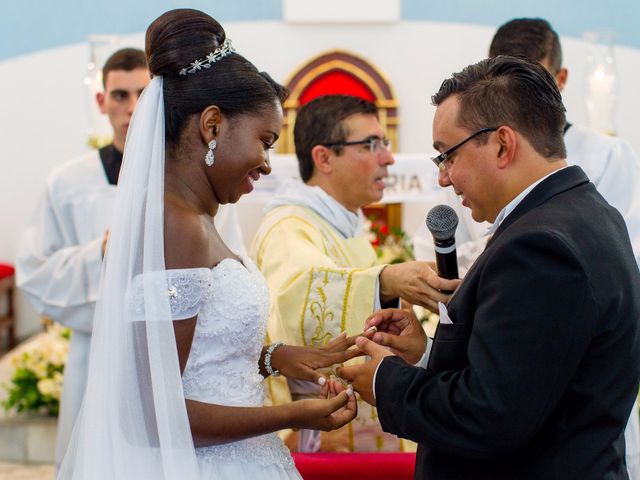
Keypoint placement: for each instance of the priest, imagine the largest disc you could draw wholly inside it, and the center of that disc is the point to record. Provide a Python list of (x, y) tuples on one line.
[(321, 269)]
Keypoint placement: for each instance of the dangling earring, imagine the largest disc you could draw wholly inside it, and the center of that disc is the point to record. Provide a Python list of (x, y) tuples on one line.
[(210, 158)]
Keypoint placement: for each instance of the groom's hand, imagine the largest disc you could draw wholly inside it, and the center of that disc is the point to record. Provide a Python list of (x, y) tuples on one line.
[(361, 376), (399, 330), (305, 363)]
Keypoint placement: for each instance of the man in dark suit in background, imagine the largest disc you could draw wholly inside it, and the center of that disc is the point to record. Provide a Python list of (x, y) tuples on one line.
[(535, 376)]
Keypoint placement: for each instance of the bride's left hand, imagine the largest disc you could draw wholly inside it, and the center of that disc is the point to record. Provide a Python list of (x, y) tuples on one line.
[(303, 363), (336, 407)]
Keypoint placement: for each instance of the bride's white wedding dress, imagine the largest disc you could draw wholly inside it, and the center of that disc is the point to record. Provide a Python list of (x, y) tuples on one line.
[(232, 304)]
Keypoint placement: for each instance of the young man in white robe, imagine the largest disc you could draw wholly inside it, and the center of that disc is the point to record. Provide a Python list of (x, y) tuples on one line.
[(321, 269), (61, 251), (609, 162)]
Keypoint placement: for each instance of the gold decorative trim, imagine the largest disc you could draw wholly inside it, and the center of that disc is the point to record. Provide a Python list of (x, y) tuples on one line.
[(321, 313), (345, 300), (304, 307), (317, 311)]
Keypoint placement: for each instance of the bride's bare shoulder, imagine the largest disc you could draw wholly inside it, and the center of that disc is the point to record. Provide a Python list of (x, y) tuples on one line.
[(187, 243)]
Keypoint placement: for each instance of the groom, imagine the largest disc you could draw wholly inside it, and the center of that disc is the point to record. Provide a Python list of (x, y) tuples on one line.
[(535, 364)]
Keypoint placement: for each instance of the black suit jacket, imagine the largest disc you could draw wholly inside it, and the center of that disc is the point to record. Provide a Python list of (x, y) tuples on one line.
[(537, 377)]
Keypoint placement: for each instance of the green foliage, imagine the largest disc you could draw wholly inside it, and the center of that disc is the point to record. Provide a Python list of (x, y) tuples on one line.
[(36, 383)]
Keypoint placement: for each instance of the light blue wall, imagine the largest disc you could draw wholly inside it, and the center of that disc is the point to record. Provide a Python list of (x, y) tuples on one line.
[(31, 25), (568, 17)]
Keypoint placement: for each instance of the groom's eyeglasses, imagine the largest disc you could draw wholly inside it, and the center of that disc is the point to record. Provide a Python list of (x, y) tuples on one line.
[(441, 160)]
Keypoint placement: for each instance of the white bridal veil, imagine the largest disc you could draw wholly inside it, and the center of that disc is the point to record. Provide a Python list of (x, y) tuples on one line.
[(133, 422)]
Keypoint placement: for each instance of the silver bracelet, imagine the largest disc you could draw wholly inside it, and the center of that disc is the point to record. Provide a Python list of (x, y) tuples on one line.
[(267, 359)]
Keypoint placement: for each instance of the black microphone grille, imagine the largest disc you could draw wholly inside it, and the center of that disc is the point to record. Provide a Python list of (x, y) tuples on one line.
[(442, 222)]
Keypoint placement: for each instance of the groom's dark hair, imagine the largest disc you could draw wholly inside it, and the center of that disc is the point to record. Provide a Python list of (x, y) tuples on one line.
[(509, 91)]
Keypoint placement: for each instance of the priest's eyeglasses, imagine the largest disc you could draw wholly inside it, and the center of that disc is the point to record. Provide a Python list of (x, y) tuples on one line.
[(375, 144), (441, 160)]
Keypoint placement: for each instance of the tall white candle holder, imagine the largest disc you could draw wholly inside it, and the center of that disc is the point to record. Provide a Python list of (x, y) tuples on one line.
[(99, 131), (601, 84)]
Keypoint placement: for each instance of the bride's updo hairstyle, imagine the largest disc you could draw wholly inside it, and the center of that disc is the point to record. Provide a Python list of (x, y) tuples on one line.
[(178, 38)]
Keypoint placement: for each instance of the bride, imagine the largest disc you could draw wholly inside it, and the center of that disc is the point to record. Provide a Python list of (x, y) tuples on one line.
[(175, 385)]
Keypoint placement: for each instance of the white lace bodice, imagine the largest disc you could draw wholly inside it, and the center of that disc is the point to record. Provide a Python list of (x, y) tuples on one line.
[(232, 304)]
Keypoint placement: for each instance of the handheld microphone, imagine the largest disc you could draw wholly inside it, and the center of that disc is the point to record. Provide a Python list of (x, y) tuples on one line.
[(442, 222)]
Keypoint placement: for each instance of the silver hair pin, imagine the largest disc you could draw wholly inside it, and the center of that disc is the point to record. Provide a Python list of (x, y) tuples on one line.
[(218, 54)]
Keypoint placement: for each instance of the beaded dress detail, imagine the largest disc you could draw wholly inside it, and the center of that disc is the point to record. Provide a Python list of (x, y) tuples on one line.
[(232, 304)]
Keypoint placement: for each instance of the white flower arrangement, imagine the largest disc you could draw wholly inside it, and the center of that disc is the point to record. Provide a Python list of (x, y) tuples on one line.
[(36, 382)]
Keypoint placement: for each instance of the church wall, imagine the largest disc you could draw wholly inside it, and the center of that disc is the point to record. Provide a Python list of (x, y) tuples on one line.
[(43, 114)]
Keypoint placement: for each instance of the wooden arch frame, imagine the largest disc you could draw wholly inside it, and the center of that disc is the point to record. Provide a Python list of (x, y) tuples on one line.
[(361, 71)]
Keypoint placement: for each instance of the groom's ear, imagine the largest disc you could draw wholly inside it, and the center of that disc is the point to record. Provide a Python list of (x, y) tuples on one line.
[(210, 120)]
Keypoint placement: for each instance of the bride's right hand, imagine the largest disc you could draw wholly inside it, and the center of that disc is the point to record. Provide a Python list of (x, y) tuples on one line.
[(336, 410)]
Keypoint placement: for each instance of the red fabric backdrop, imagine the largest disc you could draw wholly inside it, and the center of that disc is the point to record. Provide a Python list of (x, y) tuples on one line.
[(6, 270), (351, 466), (336, 82)]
